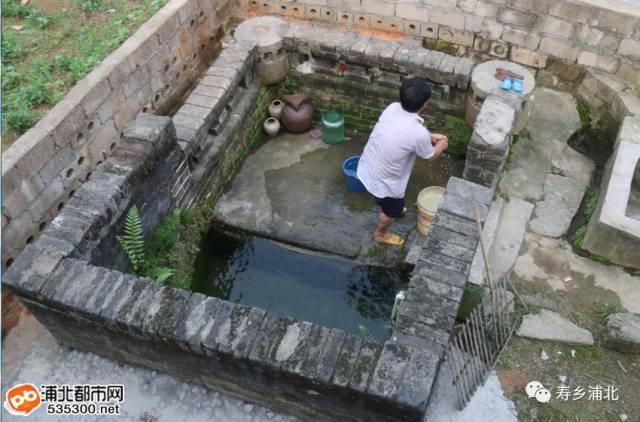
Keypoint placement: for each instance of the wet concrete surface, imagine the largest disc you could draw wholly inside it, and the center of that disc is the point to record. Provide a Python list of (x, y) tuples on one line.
[(293, 189)]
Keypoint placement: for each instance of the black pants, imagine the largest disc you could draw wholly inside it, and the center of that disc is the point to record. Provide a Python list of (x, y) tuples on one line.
[(391, 207)]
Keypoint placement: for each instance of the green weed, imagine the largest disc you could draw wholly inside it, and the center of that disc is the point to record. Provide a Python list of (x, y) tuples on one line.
[(38, 19), (14, 9), (11, 48), (609, 308)]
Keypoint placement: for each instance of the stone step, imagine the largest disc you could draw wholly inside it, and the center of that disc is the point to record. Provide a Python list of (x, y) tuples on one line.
[(414, 245), (504, 245), (551, 326), (476, 274)]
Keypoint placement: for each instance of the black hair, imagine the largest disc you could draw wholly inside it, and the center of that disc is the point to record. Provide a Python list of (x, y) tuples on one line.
[(414, 92)]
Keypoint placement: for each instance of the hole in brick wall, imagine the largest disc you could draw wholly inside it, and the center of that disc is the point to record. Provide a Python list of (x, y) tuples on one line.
[(98, 163), (90, 126), (268, 55), (361, 18), (80, 136), (201, 47), (412, 26), (71, 193), (429, 29), (156, 98), (85, 178), (60, 206), (145, 109), (167, 86), (166, 68), (29, 240), (228, 107), (193, 22), (499, 49), (194, 159), (69, 172), (295, 9), (393, 25), (345, 17), (198, 149), (283, 7), (306, 57), (265, 4), (112, 146), (177, 75), (379, 22), (42, 226), (104, 155), (313, 11), (195, 56), (328, 13), (184, 67), (80, 161), (8, 262), (243, 82), (279, 52), (175, 59), (219, 34), (254, 3), (201, 13)]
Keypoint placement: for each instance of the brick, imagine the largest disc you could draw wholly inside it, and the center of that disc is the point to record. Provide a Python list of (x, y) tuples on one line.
[(629, 73), (537, 6), (614, 21), (412, 27), (328, 14), (559, 48), (473, 23), (378, 7), (453, 20), (492, 29), (456, 37), (630, 48), (415, 12), (554, 26), (443, 4), (521, 38), (429, 30), (344, 17), (95, 96), (516, 17), (529, 57), (572, 12), (598, 61), (587, 35)]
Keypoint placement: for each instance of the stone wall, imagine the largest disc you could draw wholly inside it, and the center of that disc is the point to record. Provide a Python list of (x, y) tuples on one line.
[(148, 73), (557, 35)]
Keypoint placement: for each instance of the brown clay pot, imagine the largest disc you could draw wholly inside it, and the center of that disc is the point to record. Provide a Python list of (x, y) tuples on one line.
[(298, 112)]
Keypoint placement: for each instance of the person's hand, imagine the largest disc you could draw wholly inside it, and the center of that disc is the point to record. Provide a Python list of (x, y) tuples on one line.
[(437, 137), (442, 144)]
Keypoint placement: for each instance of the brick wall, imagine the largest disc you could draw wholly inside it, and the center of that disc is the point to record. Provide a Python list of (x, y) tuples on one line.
[(535, 33), (149, 72)]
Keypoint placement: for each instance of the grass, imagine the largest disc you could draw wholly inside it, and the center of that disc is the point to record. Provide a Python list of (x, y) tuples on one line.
[(592, 203), (609, 308), (59, 43)]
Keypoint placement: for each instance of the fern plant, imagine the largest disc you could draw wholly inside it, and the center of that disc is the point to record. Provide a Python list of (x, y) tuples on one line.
[(132, 242)]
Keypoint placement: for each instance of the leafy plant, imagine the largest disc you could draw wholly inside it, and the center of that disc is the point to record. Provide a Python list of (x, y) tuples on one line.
[(161, 274), (11, 49), (91, 5), (14, 9), (365, 333), (609, 308), (132, 242), (17, 117), (39, 19)]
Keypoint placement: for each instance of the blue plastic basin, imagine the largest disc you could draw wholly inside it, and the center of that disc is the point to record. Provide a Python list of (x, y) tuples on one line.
[(350, 168)]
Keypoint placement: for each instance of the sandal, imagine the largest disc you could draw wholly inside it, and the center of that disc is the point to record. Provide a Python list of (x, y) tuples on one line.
[(393, 240)]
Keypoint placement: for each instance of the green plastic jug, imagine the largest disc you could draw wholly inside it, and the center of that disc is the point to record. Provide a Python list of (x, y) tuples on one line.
[(332, 127)]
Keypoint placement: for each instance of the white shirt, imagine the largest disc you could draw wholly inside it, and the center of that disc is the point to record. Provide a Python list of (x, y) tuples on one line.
[(386, 163)]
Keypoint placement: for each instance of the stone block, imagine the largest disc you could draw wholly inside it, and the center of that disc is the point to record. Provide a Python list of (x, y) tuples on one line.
[(555, 27), (268, 339), (378, 7), (629, 73), (521, 38), (415, 12), (28, 273), (614, 21), (95, 96), (412, 27), (443, 4), (572, 12), (516, 17), (198, 321), (499, 49), (429, 30), (347, 360), (453, 20), (588, 35), (528, 57), (345, 17), (473, 23), (322, 355), (591, 59), (464, 38), (630, 48), (328, 14), (361, 20), (559, 48), (440, 274), (535, 6)]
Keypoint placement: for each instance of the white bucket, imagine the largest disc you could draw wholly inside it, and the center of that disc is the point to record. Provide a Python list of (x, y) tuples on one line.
[(428, 201)]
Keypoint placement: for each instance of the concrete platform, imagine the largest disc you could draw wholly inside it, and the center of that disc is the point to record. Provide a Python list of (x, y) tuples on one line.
[(292, 189)]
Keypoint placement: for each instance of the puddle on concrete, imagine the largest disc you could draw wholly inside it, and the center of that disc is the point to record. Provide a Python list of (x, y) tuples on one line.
[(329, 291)]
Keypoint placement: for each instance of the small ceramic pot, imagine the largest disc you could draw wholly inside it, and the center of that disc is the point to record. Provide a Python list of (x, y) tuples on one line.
[(271, 126), (275, 109)]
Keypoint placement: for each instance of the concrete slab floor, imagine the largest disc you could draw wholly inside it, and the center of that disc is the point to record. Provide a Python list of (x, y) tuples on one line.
[(30, 354), (293, 189)]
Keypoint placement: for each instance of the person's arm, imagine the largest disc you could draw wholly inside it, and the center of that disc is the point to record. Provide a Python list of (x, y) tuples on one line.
[(440, 146)]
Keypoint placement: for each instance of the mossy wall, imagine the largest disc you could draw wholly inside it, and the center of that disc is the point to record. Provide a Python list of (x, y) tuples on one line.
[(361, 102)]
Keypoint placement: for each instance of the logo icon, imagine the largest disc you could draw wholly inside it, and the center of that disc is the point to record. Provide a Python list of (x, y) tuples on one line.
[(22, 399), (537, 390)]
